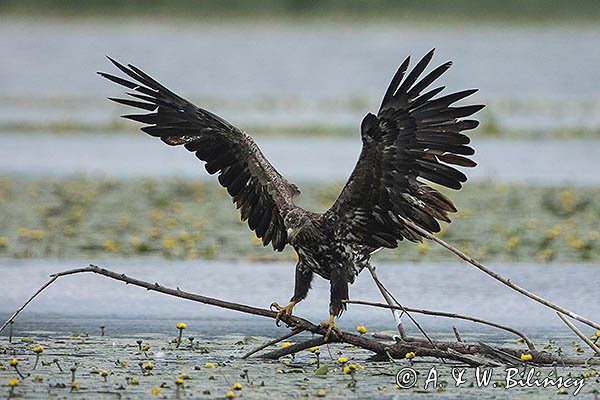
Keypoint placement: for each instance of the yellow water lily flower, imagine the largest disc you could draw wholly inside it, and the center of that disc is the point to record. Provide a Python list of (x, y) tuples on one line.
[(526, 357), (351, 368), (13, 362), (342, 360), (36, 234), (512, 242), (169, 243), (156, 390), (410, 355), (38, 349), (13, 382), (181, 325), (110, 245), (230, 394), (361, 329), (237, 386)]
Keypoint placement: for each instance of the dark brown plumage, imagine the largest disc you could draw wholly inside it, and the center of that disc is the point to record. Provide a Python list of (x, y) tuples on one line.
[(415, 137)]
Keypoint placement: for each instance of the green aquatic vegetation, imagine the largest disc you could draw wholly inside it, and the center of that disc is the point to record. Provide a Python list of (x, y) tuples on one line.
[(183, 219), (466, 11), (491, 127)]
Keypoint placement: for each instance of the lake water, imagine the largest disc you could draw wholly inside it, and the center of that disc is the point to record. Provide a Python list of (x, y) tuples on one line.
[(292, 74), (299, 159), (333, 59), (540, 77)]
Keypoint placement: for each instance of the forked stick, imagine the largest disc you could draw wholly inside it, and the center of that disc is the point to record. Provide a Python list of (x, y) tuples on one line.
[(396, 311), (391, 300), (297, 323)]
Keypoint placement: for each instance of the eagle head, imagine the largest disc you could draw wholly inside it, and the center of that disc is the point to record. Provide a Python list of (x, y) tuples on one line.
[(294, 221)]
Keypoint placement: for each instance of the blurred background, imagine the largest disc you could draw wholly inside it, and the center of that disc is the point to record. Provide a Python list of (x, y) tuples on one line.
[(78, 184)]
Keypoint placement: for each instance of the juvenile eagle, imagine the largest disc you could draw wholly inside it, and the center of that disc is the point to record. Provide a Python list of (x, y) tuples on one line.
[(414, 137)]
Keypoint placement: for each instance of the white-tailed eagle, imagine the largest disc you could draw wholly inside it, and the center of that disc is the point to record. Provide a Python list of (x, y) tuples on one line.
[(416, 136)]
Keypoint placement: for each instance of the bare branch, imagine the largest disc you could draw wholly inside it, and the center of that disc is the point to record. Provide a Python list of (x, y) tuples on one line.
[(294, 321), (449, 315), (457, 334), (397, 315), (40, 290), (499, 277), (579, 333), (391, 300)]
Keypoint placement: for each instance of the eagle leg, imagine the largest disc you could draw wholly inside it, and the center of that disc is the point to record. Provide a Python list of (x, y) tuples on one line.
[(338, 293), (304, 277)]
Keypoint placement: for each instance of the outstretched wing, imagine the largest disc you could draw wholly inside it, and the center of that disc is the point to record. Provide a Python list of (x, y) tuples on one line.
[(414, 137), (263, 196)]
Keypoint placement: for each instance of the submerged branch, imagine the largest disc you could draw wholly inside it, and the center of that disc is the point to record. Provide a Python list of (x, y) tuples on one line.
[(296, 348), (272, 342)]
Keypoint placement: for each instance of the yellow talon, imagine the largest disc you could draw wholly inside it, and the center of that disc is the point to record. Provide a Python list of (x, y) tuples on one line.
[(281, 311), (330, 327)]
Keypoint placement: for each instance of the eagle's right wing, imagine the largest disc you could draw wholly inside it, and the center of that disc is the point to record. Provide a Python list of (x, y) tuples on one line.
[(263, 196), (414, 137)]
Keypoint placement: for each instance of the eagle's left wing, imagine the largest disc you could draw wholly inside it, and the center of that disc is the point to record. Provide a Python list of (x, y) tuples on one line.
[(414, 137)]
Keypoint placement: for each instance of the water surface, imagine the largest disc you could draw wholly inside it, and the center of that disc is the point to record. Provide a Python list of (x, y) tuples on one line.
[(451, 287), (300, 159), (540, 77)]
